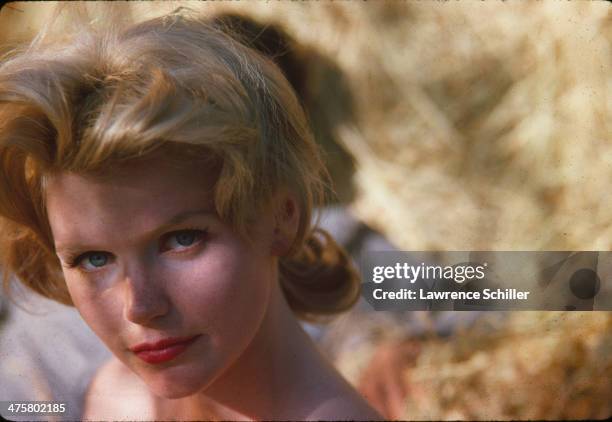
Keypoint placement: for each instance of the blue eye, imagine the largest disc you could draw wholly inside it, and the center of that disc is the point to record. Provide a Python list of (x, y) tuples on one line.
[(91, 261), (97, 259), (185, 238)]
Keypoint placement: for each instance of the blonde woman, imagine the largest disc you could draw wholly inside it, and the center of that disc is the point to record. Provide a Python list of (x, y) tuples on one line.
[(161, 179)]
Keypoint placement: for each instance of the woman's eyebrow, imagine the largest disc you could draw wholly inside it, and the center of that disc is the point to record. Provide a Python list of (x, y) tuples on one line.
[(69, 249), (178, 219), (186, 215)]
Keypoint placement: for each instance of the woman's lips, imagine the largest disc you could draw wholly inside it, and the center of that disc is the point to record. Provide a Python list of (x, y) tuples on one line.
[(163, 350)]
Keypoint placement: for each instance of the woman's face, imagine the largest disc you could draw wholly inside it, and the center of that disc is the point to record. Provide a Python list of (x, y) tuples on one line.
[(173, 291)]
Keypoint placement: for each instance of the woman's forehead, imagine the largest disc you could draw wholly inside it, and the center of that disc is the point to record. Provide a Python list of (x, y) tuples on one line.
[(130, 201), (157, 182), (152, 171)]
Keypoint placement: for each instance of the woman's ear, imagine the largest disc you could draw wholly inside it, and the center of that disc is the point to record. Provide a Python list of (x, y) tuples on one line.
[(286, 223)]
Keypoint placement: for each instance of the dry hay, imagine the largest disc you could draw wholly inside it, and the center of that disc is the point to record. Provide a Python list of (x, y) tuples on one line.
[(537, 366), (486, 126)]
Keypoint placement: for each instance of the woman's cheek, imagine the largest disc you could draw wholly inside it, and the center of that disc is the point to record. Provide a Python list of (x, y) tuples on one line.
[(88, 285), (227, 287), (98, 309), (209, 284)]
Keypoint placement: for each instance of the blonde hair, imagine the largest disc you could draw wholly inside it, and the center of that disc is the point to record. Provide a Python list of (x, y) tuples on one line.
[(101, 98)]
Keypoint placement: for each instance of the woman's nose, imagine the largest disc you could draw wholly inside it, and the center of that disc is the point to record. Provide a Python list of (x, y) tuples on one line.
[(145, 297)]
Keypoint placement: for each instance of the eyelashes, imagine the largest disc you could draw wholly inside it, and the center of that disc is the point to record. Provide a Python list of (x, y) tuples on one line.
[(174, 242), (97, 259), (182, 239)]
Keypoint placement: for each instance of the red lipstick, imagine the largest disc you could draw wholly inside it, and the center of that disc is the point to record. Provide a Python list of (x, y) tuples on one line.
[(163, 350)]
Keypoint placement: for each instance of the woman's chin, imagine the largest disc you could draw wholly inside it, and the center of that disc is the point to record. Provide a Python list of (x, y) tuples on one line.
[(172, 389), (175, 383)]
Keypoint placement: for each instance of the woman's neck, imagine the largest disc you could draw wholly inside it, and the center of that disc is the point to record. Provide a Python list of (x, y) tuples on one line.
[(281, 374)]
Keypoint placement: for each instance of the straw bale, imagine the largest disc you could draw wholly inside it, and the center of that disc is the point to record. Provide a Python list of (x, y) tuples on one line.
[(539, 366)]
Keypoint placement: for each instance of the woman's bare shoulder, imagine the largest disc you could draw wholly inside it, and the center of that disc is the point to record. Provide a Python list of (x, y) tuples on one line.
[(342, 403), (345, 409), (116, 393)]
